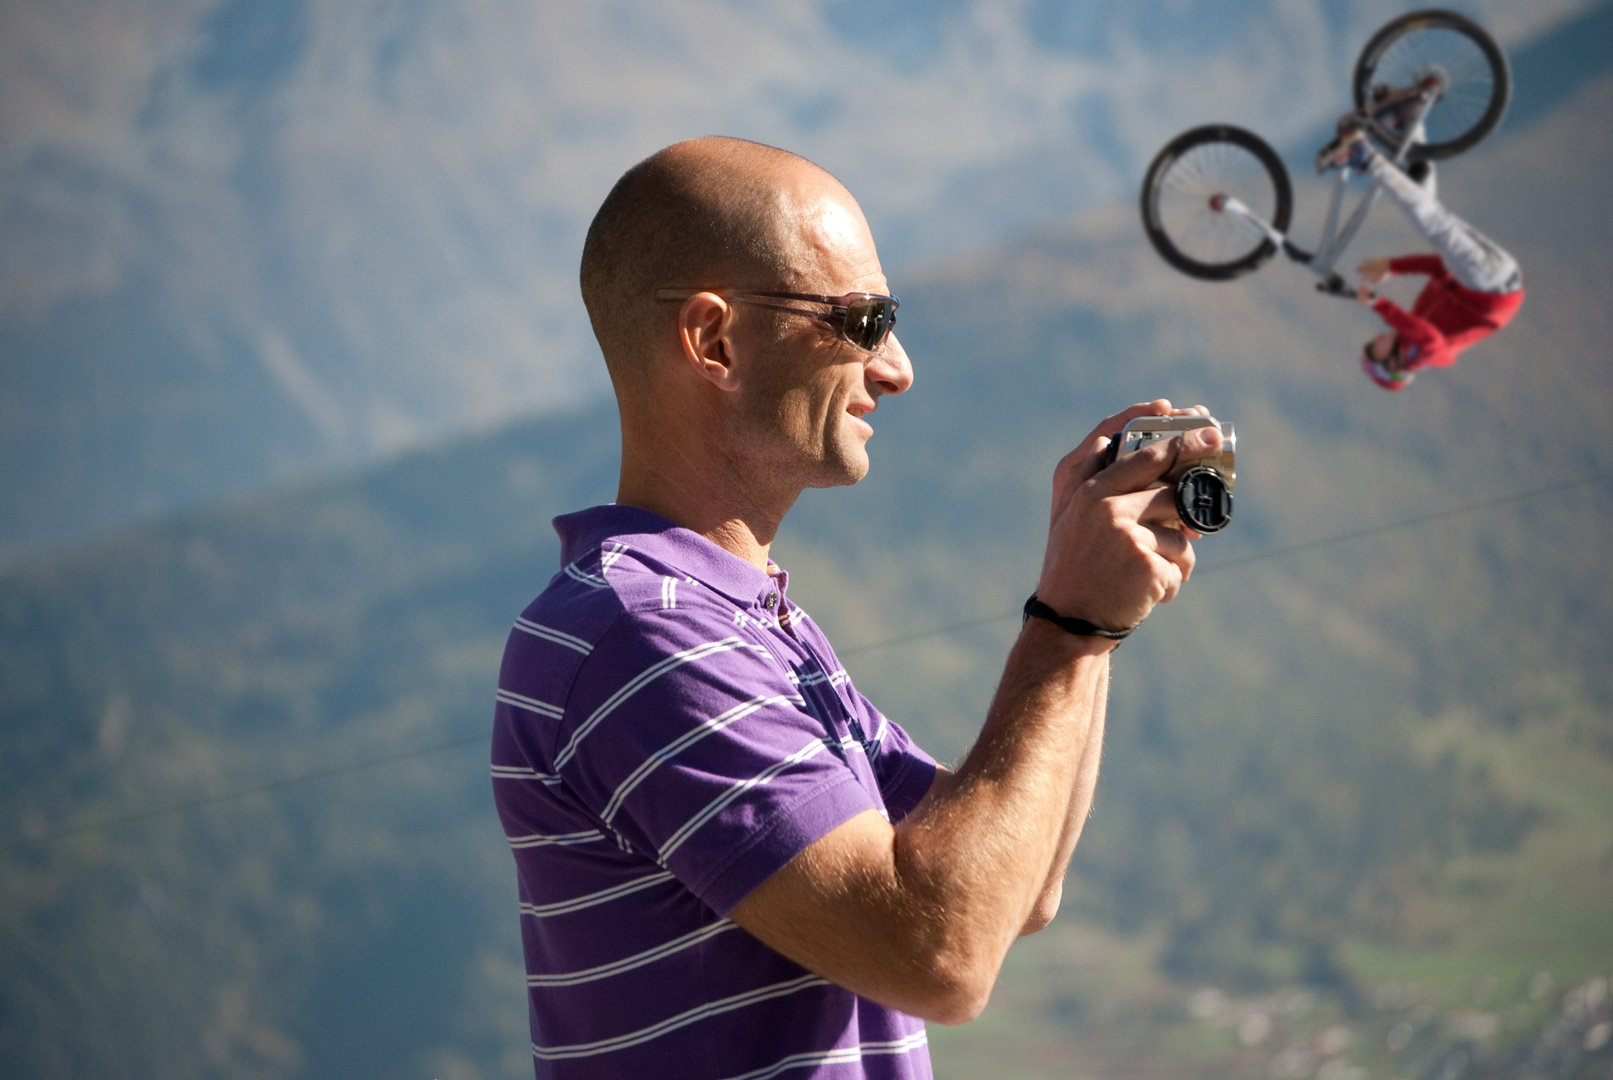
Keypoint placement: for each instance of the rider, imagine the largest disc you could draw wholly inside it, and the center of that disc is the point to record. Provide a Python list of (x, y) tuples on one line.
[(1474, 287)]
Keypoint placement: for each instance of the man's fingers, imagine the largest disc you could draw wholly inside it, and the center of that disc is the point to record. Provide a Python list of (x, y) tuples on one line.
[(1158, 407), (1175, 547), (1083, 462), (1140, 468), (1153, 508)]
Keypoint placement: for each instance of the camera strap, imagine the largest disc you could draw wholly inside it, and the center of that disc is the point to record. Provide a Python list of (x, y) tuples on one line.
[(1034, 608)]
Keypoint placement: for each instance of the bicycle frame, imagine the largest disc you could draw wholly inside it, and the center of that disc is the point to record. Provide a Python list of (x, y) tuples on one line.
[(1334, 238)]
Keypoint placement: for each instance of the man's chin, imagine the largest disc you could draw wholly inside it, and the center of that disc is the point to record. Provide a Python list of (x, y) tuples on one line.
[(845, 479), (842, 469)]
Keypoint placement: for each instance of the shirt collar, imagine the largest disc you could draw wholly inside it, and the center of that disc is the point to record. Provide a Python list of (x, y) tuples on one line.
[(716, 567)]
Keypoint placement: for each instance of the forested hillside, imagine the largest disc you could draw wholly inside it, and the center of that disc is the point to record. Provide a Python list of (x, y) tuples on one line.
[(1370, 746)]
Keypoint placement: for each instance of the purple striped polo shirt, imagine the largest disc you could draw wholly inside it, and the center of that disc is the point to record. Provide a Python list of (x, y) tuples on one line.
[(670, 731)]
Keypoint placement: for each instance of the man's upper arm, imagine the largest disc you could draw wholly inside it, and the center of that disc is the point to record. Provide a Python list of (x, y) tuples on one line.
[(838, 909)]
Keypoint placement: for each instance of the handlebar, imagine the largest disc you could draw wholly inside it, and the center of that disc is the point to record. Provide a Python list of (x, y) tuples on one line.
[(1335, 286)]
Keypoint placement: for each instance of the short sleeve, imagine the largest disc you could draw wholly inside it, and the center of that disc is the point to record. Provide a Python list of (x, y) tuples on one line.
[(694, 745), (904, 771)]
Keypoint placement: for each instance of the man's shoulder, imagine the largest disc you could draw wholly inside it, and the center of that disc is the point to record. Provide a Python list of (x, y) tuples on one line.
[(612, 619), (620, 586)]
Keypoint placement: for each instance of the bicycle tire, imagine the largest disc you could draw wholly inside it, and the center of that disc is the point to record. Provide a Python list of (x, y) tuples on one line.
[(1188, 233), (1478, 81)]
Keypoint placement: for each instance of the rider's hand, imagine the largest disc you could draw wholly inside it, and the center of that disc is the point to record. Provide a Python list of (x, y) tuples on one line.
[(1365, 296), (1117, 547), (1373, 271)]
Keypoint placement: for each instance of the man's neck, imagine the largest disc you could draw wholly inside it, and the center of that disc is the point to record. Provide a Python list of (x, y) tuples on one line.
[(717, 511)]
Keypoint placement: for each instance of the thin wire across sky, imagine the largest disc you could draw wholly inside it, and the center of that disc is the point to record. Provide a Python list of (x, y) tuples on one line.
[(481, 737)]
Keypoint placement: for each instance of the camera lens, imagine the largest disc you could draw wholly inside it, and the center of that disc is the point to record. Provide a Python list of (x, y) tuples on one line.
[(1203, 499)]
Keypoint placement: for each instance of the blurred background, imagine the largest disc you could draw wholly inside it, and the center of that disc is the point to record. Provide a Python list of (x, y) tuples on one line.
[(293, 374)]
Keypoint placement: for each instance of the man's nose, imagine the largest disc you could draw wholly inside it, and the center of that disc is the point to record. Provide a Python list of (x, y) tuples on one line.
[(890, 369)]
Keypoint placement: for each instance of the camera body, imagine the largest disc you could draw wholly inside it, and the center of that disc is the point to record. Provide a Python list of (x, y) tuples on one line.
[(1203, 485)]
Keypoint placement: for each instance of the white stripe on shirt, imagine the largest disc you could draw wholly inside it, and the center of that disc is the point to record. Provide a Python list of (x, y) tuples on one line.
[(716, 805), (555, 839), (577, 903), (879, 733), (683, 1019), (593, 581), (521, 701), (817, 676), (688, 739), (522, 772), (638, 960), (840, 1055), (548, 633), (609, 554), (637, 683)]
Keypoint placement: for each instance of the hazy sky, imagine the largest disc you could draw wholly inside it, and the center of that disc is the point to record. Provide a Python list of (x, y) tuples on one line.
[(380, 203)]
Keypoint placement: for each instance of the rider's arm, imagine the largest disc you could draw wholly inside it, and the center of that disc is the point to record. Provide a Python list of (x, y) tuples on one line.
[(1431, 265), (1373, 271), (1432, 348)]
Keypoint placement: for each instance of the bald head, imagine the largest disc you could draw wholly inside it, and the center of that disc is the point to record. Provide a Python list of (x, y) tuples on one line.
[(714, 212)]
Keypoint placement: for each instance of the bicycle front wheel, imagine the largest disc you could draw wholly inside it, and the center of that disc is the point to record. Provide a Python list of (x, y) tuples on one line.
[(1187, 184), (1475, 83)]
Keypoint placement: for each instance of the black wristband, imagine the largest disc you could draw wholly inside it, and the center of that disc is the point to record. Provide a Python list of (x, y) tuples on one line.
[(1034, 608)]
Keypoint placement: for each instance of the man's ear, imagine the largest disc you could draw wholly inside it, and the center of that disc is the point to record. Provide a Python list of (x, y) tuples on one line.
[(703, 332)]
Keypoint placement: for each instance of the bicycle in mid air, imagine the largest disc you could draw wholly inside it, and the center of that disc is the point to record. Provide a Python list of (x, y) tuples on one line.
[(1216, 201)]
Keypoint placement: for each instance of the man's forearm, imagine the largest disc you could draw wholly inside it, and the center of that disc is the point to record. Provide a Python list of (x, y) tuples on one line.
[(1088, 753), (987, 847)]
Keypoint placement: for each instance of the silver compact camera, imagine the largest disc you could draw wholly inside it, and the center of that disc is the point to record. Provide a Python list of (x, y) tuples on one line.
[(1203, 485)]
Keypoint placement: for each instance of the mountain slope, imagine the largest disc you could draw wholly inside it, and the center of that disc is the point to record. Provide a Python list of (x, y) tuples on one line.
[(1309, 751)]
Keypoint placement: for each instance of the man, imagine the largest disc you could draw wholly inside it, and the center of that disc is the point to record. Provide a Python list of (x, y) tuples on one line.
[(730, 864), (1474, 287)]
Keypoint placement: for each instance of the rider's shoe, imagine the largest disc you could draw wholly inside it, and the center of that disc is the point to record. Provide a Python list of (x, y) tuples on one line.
[(1389, 380), (1351, 150), (1354, 120)]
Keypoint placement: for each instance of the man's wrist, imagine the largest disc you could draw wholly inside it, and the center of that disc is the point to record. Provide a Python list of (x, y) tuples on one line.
[(1035, 609)]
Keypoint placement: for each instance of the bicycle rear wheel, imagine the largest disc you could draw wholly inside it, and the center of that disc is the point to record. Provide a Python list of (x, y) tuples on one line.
[(1179, 199), (1475, 81)]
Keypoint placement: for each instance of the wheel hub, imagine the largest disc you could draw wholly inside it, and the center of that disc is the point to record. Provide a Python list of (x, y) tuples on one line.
[(1434, 77)]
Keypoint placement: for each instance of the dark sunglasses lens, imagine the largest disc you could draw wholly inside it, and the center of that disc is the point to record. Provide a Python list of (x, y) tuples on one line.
[(868, 322)]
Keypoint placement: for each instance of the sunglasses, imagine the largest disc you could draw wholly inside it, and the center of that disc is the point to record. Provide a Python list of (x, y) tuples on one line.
[(862, 320)]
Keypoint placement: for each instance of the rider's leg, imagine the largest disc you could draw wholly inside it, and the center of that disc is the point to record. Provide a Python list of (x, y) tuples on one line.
[(1422, 171), (1472, 258)]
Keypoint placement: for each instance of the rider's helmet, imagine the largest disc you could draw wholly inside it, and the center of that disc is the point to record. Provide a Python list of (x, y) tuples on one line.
[(1390, 372)]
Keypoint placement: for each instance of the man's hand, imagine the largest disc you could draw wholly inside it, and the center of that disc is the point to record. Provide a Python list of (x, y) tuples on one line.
[(1373, 271), (1116, 546)]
